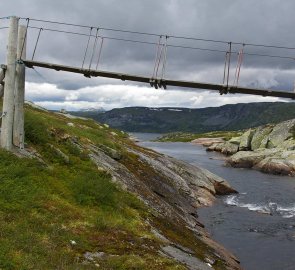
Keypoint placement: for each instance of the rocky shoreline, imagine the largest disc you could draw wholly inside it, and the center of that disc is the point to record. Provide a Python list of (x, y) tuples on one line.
[(269, 148), (174, 190)]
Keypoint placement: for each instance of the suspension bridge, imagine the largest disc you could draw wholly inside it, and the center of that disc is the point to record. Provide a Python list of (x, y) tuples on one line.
[(12, 74)]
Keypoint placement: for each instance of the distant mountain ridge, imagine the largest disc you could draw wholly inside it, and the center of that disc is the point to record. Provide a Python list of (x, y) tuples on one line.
[(164, 120)]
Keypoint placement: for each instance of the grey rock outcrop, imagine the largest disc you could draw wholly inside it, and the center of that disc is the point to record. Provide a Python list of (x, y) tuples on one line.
[(235, 140), (246, 138), (172, 188), (230, 148), (267, 148), (208, 141), (280, 133), (226, 148), (259, 135), (248, 159)]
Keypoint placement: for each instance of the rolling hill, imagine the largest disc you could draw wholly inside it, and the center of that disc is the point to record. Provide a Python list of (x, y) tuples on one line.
[(163, 120)]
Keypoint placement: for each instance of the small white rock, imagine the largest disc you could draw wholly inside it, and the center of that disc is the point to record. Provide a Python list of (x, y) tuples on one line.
[(71, 124), (73, 242)]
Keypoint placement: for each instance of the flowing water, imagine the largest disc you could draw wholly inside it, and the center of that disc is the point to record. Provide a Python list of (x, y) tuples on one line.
[(258, 224)]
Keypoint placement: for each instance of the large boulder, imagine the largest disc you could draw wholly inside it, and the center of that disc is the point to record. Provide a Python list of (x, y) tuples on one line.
[(219, 147), (246, 139), (260, 134), (207, 141), (226, 148), (288, 145), (248, 159), (275, 166), (280, 133), (215, 147), (235, 140), (229, 148)]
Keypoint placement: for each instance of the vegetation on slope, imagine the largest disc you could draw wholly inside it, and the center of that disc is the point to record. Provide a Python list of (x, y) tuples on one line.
[(188, 137), (55, 210)]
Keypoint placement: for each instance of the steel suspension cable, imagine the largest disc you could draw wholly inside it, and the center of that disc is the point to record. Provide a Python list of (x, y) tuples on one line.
[(158, 35), (172, 46)]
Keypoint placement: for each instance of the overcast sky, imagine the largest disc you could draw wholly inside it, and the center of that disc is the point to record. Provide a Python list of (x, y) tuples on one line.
[(268, 22)]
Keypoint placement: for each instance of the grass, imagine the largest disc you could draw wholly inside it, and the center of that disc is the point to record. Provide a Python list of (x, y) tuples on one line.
[(47, 206), (188, 137)]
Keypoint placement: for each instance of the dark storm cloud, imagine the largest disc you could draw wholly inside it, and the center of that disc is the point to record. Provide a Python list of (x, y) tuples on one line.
[(251, 21)]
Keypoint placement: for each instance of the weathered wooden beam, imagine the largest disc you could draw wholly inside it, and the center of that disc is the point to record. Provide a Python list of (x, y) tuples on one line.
[(186, 84), (8, 99), (19, 97)]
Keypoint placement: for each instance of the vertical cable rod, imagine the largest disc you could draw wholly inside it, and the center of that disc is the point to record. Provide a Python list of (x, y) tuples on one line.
[(100, 51), (94, 48), (228, 68), (86, 50), (37, 41)]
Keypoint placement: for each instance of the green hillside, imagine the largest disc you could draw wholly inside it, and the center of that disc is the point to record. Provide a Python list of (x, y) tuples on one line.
[(61, 210), (53, 210)]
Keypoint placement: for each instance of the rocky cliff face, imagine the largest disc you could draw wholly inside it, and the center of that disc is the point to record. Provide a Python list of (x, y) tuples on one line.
[(269, 148)]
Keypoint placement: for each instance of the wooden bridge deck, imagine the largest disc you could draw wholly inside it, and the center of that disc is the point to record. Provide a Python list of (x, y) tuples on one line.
[(158, 83)]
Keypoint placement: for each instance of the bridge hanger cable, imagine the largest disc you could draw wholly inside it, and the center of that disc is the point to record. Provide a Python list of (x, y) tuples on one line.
[(159, 60), (165, 58), (157, 57), (228, 66), (225, 67), (25, 38), (94, 48), (238, 67), (158, 35), (37, 42), (86, 50), (99, 53)]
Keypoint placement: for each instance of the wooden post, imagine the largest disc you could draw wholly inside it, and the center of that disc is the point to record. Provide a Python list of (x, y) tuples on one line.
[(8, 99), (1, 90), (19, 96), (2, 74)]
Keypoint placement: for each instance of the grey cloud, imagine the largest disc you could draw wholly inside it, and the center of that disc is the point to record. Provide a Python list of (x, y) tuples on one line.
[(251, 21)]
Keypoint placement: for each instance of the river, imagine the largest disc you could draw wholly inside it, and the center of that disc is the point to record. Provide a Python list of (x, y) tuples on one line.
[(258, 224)]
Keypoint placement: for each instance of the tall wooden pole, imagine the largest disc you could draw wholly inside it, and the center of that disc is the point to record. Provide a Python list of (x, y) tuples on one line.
[(2, 75), (9, 87), (19, 96)]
